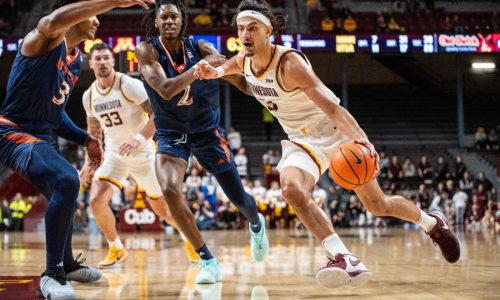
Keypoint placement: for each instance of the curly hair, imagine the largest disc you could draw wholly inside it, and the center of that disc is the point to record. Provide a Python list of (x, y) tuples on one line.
[(60, 3), (278, 22), (149, 20)]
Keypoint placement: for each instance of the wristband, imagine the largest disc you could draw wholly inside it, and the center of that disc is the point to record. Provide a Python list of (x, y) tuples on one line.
[(140, 138), (220, 71)]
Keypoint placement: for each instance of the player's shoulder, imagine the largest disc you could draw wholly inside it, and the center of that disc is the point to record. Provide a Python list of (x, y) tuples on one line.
[(146, 50)]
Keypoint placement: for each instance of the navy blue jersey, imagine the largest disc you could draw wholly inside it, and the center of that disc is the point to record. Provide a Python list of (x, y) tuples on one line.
[(38, 88), (194, 110)]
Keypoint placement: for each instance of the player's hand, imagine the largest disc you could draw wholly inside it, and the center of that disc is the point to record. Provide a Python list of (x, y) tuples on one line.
[(94, 152), (373, 153), (128, 3), (215, 60), (203, 70), (86, 175), (128, 147)]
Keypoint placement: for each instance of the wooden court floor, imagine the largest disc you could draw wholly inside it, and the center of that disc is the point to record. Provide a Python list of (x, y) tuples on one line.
[(405, 265)]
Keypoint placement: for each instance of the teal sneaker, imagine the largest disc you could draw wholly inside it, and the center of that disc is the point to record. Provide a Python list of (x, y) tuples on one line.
[(259, 245), (209, 272)]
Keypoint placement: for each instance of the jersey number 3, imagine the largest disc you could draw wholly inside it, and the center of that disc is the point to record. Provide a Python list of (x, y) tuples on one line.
[(112, 119)]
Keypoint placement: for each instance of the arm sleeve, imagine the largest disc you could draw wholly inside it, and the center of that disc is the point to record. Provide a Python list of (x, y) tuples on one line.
[(69, 131), (133, 90), (86, 103)]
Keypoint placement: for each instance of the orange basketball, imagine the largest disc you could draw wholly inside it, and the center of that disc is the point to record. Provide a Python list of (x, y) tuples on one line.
[(351, 166)]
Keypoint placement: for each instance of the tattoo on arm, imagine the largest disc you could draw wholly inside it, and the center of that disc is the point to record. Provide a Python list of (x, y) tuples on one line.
[(146, 106), (94, 127)]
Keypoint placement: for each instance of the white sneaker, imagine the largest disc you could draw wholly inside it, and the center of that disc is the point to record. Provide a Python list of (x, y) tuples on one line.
[(55, 287), (344, 269)]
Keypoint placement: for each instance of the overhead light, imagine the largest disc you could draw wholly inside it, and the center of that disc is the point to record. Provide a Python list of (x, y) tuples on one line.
[(483, 65)]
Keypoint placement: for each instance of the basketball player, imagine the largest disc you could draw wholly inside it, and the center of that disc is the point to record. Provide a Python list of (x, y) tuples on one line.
[(186, 115), (283, 80), (44, 73), (116, 105)]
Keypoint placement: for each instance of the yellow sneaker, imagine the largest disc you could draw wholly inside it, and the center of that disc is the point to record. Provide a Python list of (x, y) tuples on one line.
[(191, 253), (114, 256)]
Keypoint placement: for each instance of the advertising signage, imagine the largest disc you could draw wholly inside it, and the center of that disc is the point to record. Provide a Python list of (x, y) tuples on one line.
[(334, 43)]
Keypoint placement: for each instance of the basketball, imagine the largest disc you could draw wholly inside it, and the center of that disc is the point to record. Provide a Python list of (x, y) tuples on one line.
[(351, 166)]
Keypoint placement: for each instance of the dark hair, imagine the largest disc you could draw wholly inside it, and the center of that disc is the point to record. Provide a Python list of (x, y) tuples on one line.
[(278, 22), (99, 46), (60, 3), (149, 20)]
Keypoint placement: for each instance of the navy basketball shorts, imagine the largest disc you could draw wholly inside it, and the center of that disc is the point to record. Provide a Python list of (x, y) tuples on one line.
[(210, 148)]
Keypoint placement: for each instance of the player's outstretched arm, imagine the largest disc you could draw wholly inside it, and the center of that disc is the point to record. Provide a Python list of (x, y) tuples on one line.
[(155, 76), (144, 134), (232, 66), (51, 29), (234, 72), (297, 73)]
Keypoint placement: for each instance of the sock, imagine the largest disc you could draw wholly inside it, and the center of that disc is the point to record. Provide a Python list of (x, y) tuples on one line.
[(204, 253), (256, 227), (426, 222), (117, 243), (334, 245)]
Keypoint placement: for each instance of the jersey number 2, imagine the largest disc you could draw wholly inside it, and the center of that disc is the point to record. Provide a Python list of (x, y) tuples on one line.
[(112, 119)]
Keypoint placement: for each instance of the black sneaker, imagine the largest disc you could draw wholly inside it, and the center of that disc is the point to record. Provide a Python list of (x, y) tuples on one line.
[(77, 272)]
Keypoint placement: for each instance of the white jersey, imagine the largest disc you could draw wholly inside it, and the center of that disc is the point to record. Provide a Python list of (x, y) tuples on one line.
[(297, 114), (118, 109)]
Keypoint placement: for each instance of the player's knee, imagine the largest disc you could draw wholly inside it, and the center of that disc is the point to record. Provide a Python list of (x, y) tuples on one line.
[(68, 181), (171, 193), (377, 205), (294, 194)]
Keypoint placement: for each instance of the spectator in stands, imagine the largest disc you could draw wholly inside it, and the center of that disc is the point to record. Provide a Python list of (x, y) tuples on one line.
[(267, 158), (397, 6), (224, 16), (327, 24), (5, 215), (234, 139), (460, 203), (209, 189), (437, 202), (193, 184), (423, 198), (353, 210), (458, 26), (409, 169), (460, 168), (393, 26), (205, 218), (488, 220), (446, 25), (493, 195), (241, 161), (350, 24), (481, 179), (258, 192), (395, 172), (425, 170), (495, 21), (442, 170), (475, 214), (339, 220), (466, 183), (319, 195), (203, 19), (80, 218), (381, 23), (383, 164), (481, 139), (481, 195), (268, 120), (228, 216), (493, 140), (19, 208), (214, 13)]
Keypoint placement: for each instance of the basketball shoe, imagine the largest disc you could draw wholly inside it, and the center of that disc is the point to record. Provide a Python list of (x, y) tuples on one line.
[(55, 286), (209, 271), (76, 272), (114, 256), (344, 269), (193, 257), (442, 236), (259, 245)]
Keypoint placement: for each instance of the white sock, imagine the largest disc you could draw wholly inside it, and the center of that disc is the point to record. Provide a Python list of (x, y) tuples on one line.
[(117, 243), (426, 222), (334, 245)]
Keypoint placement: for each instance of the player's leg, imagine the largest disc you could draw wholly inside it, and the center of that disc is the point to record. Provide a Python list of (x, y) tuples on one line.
[(170, 172), (299, 171), (108, 179), (435, 224), (143, 171), (213, 153)]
